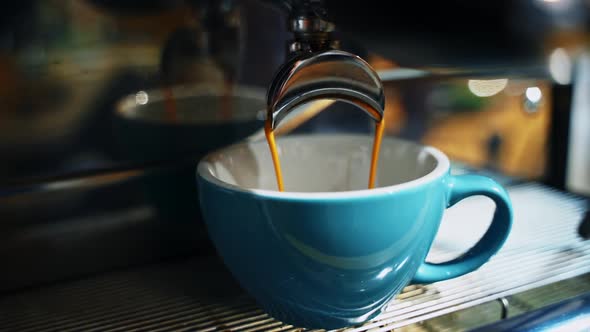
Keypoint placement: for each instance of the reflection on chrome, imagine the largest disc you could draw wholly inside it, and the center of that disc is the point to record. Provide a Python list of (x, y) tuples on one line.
[(533, 94), (560, 66), (141, 98), (487, 88)]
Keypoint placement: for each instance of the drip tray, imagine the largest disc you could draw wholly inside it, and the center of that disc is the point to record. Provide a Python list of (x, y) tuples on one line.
[(543, 261)]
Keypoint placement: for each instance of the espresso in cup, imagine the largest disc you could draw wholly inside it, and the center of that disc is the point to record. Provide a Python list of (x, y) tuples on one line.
[(327, 252)]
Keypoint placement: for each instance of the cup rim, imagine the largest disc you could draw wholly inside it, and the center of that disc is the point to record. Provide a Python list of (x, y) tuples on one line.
[(127, 107), (442, 167)]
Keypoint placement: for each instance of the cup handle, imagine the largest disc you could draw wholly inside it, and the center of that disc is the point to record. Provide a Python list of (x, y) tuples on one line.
[(460, 187)]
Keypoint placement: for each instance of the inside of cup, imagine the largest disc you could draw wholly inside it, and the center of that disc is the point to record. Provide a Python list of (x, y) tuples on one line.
[(320, 163)]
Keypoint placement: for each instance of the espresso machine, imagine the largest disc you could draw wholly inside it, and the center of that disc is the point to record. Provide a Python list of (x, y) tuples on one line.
[(107, 106)]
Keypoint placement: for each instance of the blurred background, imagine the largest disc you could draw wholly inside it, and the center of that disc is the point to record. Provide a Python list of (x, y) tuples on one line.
[(477, 80), (106, 106)]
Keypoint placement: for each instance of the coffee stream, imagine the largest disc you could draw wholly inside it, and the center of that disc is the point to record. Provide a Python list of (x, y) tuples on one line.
[(170, 110), (226, 106), (379, 129), (169, 104), (270, 138)]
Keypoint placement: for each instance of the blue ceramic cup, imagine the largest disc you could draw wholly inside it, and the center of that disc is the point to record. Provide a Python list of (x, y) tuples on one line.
[(329, 253)]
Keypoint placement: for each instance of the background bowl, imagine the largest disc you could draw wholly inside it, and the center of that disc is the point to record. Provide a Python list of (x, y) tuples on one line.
[(173, 128)]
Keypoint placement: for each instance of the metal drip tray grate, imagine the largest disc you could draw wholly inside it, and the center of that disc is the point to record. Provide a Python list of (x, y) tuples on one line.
[(198, 294)]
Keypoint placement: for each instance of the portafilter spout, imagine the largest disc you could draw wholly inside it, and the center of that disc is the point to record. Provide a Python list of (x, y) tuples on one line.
[(317, 69)]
